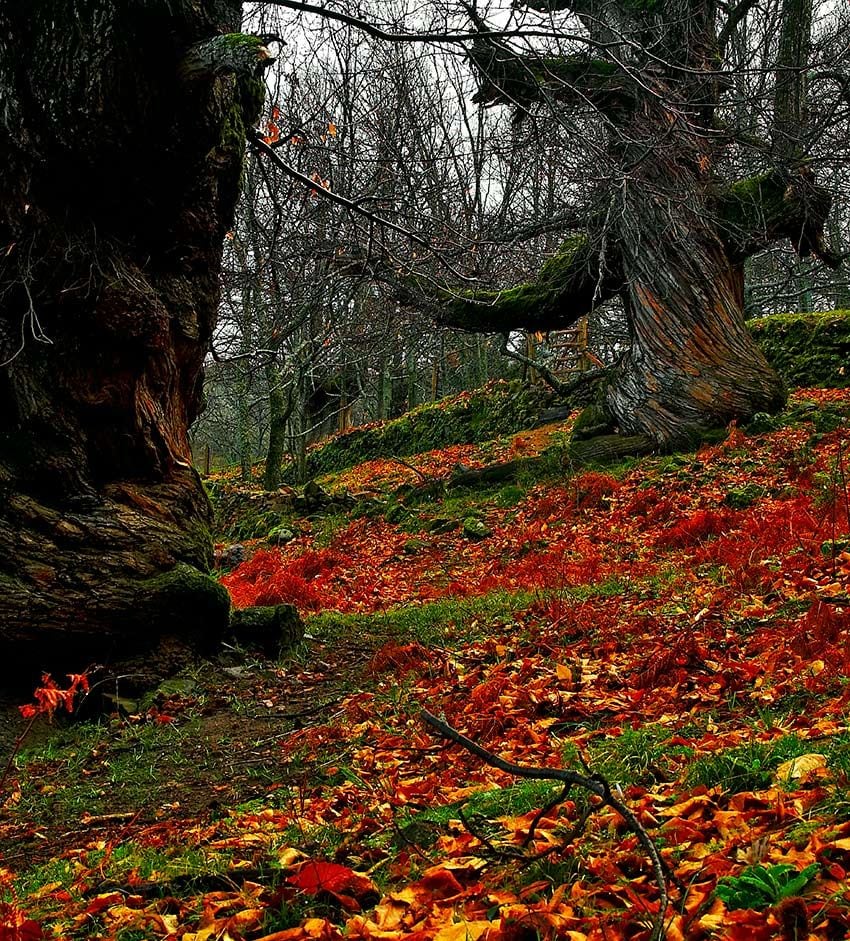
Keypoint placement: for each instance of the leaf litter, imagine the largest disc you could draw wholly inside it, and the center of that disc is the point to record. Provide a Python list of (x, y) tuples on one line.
[(679, 626)]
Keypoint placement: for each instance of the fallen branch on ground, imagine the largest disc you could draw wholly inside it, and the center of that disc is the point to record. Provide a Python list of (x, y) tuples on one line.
[(593, 783)]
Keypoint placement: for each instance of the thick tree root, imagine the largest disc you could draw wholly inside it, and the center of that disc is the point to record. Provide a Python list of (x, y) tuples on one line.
[(608, 449)]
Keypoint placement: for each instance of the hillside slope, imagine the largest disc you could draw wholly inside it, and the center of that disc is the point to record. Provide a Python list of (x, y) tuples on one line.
[(678, 625)]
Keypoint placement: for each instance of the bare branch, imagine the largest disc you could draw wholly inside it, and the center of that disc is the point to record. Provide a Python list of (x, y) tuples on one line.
[(452, 38), (259, 144), (594, 783)]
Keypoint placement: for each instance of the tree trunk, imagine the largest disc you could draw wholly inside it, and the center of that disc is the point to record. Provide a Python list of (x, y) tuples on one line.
[(121, 143), (280, 409), (693, 364)]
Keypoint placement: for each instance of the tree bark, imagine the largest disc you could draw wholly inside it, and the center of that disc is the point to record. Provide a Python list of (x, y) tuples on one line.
[(692, 364), (280, 410), (121, 142)]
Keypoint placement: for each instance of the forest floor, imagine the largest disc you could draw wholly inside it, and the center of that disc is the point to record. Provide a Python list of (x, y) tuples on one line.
[(679, 625)]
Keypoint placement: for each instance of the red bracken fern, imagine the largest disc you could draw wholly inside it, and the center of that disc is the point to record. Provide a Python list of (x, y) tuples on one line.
[(48, 698), (268, 579)]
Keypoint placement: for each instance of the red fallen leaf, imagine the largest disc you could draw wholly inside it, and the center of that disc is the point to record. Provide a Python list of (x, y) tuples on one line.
[(748, 925), (102, 902), (837, 872), (28, 930), (348, 887), (15, 927)]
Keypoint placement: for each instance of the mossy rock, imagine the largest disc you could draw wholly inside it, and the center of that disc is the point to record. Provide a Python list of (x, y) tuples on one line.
[(807, 349), (280, 536), (741, 498), (414, 546), (475, 529), (183, 602), (440, 525), (395, 513), (510, 496), (763, 423), (274, 629)]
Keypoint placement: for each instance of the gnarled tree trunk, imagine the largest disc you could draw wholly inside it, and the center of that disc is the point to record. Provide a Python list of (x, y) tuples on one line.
[(692, 364), (666, 233), (122, 133)]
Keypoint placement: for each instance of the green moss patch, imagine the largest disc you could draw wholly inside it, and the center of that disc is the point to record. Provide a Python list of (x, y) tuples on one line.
[(498, 408), (810, 349)]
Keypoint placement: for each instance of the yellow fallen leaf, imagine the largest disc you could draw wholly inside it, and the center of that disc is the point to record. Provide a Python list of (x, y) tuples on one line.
[(693, 806), (564, 674), (800, 768), (316, 927), (465, 931), (713, 922), (289, 856)]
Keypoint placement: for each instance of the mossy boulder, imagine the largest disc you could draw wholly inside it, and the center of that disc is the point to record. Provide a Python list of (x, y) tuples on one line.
[(243, 512), (809, 349), (183, 602), (274, 629), (475, 529), (741, 498), (280, 536)]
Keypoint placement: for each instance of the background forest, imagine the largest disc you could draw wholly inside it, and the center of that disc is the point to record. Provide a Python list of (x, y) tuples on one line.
[(311, 341)]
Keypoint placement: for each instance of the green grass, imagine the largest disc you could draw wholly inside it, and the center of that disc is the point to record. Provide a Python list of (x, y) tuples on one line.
[(95, 768), (637, 756), (438, 622), (747, 767), (60, 871)]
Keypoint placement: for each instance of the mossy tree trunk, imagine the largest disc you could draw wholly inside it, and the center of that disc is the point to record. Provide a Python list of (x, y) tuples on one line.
[(666, 232), (121, 144)]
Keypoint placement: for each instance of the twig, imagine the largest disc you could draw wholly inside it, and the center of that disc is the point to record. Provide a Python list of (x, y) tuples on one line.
[(19, 741), (594, 783), (440, 36), (546, 374), (257, 140)]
